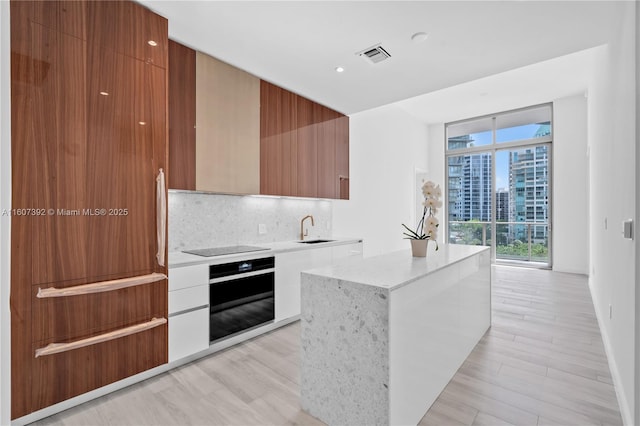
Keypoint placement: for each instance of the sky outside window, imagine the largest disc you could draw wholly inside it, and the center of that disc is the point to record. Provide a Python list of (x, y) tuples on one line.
[(528, 131)]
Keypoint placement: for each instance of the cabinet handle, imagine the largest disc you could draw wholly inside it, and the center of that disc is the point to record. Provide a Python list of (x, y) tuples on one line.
[(161, 216), (340, 179), (100, 287), (54, 348)]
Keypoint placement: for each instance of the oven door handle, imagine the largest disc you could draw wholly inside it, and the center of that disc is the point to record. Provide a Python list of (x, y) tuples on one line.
[(242, 275)]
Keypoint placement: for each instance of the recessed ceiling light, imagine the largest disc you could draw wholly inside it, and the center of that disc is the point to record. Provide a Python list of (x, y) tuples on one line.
[(104, 93), (339, 69), (419, 37), (142, 123), (152, 43)]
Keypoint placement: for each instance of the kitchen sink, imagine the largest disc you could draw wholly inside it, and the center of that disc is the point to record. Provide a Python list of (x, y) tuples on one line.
[(315, 241)]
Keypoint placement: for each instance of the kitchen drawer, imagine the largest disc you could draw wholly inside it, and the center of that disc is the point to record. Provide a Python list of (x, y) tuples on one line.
[(69, 317), (188, 333), (63, 375), (188, 298), (188, 276)]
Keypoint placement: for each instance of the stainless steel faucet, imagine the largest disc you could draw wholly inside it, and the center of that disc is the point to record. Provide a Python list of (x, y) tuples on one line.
[(303, 232)]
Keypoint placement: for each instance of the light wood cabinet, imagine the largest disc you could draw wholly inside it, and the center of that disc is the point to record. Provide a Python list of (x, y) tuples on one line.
[(227, 128), (89, 114)]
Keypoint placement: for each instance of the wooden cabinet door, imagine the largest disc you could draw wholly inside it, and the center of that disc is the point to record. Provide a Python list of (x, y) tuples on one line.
[(65, 16), (122, 125), (182, 117), (304, 146), (227, 128), (327, 179), (88, 137), (130, 29), (307, 136), (58, 159), (342, 157), (67, 374), (278, 141), (49, 167)]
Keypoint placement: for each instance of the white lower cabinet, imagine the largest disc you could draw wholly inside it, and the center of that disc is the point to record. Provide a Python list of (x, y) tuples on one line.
[(189, 294), (287, 285), (289, 265), (188, 333), (188, 311)]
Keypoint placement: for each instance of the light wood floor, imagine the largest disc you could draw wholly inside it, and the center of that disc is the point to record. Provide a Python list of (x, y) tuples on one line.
[(541, 363)]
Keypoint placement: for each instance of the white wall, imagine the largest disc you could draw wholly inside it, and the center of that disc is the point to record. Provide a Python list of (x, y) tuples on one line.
[(436, 159), (570, 205), (386, 145), (5, 222), (612, 198)]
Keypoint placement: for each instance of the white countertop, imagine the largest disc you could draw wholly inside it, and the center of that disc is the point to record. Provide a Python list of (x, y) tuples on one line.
[(396, 269), (178, 259)]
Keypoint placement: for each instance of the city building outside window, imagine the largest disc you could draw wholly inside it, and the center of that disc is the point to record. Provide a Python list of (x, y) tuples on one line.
[(499, 184)]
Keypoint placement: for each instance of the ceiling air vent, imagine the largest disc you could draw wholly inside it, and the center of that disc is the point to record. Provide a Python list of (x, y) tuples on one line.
[(374, 54)]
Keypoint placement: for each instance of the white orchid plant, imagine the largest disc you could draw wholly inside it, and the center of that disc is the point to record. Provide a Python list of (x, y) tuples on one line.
[(427, 228)]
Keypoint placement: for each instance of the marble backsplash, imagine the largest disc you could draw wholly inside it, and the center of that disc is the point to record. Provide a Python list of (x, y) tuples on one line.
[(200, 220)]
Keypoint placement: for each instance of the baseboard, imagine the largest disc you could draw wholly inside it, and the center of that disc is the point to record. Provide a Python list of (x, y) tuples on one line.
[(623, 401), (570, 271)]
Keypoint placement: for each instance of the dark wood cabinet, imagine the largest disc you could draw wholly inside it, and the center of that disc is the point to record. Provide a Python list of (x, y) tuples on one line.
[(342, 156), (127, 28), (304, 146), (182, 117), (89, 135), (65, 375), (327, 175), (307, 143), (278, 137)]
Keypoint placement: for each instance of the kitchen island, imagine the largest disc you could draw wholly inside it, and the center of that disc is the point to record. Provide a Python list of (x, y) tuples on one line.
[(382, 336)]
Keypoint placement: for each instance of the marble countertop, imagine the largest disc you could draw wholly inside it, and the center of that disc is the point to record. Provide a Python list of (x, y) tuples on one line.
[(396, 269), (178, 259)]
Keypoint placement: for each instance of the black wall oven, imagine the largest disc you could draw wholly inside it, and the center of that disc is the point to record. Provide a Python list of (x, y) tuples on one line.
[(241, 296)]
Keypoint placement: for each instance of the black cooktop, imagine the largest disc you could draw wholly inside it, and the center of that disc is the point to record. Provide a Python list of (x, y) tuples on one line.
[(219, 251)]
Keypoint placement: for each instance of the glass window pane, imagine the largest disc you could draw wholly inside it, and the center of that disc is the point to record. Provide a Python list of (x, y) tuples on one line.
[(527, 124), (469, 134), (522, 198), (469, 198)]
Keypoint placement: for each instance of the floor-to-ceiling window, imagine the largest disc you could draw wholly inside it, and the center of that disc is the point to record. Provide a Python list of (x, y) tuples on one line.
[(499, 184)]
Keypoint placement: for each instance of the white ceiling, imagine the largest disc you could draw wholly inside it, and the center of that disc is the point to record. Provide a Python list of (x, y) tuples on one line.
[(530, 85), (298, 44)]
